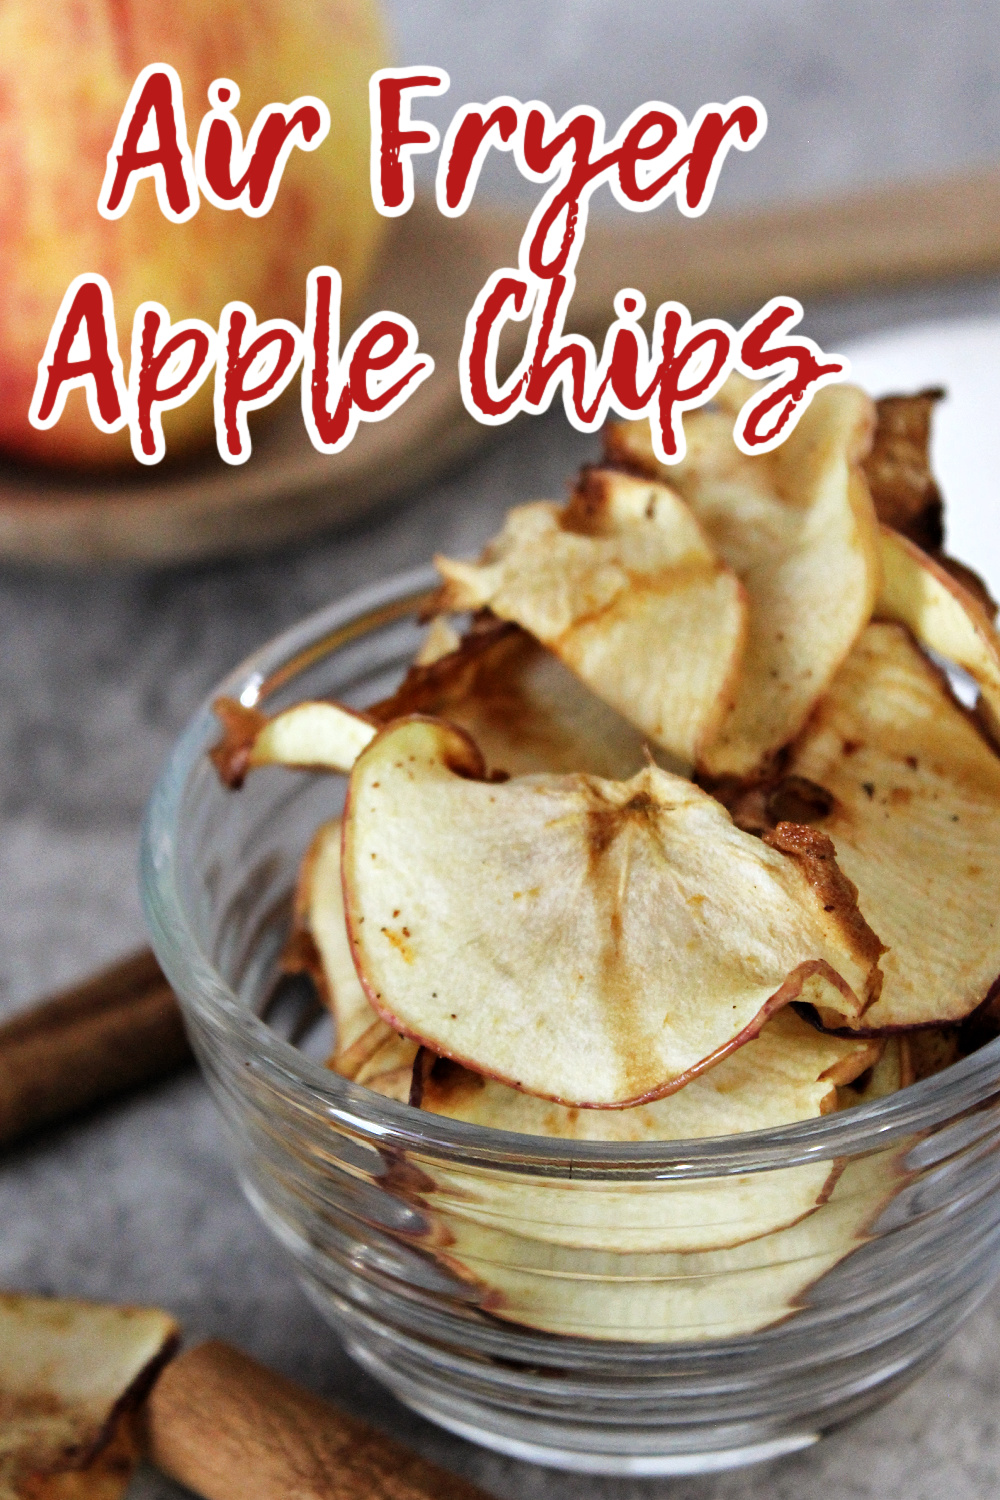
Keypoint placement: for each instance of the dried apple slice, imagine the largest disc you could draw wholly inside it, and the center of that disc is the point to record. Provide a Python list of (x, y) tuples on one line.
[(524, 709), (442, 639), (898, 468), (591, 941), (322, 736), (522, 706), (788, 1072), (891, 1073), (798, 527), (623, 587), (944, 616), (366, 1049), (670, 1297), (916, 825), (69, 1373)]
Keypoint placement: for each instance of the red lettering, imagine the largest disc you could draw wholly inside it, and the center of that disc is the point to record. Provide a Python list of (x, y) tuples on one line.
[(572, 362), (267, 374), (479, 348), (628, 350), (150, 360), (87, 316), (395, 137), (675, 357), (780, 404), (276, 131), (635, 148), (465, 147), (328, 431), (364, 362), (372, 382), (538, 156), (156, 98), (713, 137)]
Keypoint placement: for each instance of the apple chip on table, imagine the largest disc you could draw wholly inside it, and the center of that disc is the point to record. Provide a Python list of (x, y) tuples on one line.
[(71, 1375)]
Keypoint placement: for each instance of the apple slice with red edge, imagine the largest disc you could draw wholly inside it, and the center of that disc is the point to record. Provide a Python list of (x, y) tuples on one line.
[(623, 586), (595, 942), (798, 527), (915, 820), (310, 736)]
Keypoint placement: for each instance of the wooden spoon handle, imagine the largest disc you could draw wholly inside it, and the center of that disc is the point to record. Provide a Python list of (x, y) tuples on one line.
[(725, 263), (230, 1429)]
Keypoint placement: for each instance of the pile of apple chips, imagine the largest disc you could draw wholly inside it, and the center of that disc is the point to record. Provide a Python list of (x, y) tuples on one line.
[(696, 757)]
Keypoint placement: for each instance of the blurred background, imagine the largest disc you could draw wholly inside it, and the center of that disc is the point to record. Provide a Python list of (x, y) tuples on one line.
[(99, 670), (855, 93)]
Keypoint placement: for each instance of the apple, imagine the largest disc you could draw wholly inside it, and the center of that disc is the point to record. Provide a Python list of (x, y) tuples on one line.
[(66, 71)]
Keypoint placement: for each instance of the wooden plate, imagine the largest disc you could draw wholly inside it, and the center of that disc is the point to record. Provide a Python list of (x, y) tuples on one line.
[(432, 270)]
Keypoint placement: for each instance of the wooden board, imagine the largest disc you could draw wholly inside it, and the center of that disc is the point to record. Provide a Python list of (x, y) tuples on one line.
[(432, 269)]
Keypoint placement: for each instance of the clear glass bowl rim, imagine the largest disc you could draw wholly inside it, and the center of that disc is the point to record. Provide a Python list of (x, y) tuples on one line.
[(204, 992)]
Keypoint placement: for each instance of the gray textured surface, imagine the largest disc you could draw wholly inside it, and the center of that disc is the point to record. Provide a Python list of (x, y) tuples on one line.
[(98, 674)]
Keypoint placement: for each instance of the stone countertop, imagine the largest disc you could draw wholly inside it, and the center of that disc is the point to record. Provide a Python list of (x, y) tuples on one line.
[(99, 673)]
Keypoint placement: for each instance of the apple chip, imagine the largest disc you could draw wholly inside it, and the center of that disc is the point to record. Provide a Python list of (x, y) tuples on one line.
[(671, 1297), (366, 1049), (591, 941), (788, 1072), (442, 639), (892, 1072), (944, 616), (798, 527), (69, 1373), (898, 468), (524, 709), (623, 587), (322, 736), (915, 823)]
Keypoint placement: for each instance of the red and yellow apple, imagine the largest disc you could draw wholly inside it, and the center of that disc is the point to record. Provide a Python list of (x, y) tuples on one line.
[(66, 70)]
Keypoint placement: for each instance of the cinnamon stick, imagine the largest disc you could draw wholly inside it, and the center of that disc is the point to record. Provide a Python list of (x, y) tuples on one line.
[(118, 1030), (230, 1429)]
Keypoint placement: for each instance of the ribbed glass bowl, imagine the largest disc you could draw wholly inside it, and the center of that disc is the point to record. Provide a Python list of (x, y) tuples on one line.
[(659, 1308)]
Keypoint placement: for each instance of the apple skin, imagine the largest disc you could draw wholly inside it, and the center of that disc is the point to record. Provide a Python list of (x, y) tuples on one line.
[(66, 70)]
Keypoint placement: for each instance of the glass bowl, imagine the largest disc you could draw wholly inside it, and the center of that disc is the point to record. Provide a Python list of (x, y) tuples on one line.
[(659, 1308)]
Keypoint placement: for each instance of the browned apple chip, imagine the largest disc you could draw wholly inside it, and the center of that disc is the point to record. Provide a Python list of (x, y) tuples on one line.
[(591, 941), (623, 587), (524, 709), (441, 640), (916, 826), (322, 736), (945, 617), (672, 1297), (366, 1049), (787, 1072), (891, 1072), (798, 527), (898, 468), (69, 1374), (932, 1050)]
